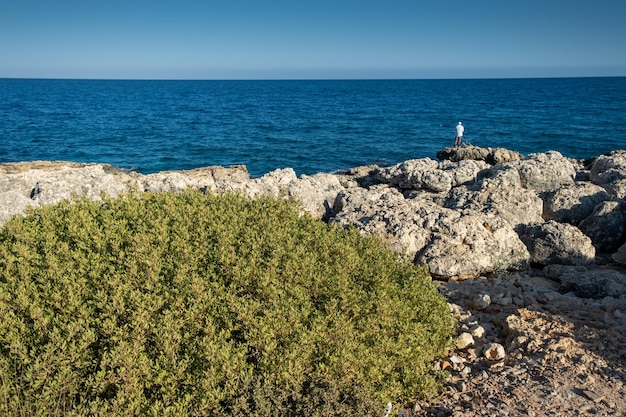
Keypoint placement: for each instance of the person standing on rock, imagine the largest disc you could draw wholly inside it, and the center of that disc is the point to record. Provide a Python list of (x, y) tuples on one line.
[(459, 134)]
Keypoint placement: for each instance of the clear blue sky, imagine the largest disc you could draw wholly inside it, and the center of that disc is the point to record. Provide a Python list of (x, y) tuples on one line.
[(259, 39)]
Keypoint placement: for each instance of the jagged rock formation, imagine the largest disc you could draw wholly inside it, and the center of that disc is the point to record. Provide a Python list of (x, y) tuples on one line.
[(474, 212)]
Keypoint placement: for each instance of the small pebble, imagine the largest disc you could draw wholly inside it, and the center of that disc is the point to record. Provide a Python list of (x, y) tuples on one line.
[(455, 359), (480, 302), (477, 331), (464, 341), (494, 352)]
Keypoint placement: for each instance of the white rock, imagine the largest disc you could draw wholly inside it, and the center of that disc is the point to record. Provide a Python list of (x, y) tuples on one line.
[(464, 341), (545, 171), (494, 352), (501, 194), (456, 359), (416, 174), (609, 171), (477, 331)]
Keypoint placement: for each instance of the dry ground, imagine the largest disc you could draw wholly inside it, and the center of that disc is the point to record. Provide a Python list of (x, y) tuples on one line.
[(565, 355)]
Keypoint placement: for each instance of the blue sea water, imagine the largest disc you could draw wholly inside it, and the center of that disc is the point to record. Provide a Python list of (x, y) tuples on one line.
[(311, 126)]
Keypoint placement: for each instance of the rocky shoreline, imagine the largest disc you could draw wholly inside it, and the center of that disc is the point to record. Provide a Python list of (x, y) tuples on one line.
[(474, 212), (530, 252)]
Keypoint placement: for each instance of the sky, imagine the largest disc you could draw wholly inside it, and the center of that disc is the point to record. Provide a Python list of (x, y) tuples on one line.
[(302, 39)]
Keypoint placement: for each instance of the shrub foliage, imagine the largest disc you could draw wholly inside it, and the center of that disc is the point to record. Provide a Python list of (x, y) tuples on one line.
[(192, 304)]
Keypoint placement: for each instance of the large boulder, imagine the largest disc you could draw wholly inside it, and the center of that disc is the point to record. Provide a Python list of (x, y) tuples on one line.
[(545, 171), (469, 244), (464, 172), (500, 193), (502, 156), (452, 243), (362, 176), (572, 203), (460, 153), (596, 284), (606, 226), (609, 171), (589, 283), (417, 174), (489, 155), (556, 243), (383, 211), (274, 183)]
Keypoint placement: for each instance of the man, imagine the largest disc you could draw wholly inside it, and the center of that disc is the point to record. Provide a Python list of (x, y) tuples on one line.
[(459, 134)]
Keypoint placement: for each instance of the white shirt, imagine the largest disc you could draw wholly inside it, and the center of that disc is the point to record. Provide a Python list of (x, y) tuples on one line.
[(459, 130)]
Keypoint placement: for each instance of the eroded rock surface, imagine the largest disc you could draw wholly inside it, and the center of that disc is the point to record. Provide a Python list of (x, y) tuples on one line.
[(476, 211)]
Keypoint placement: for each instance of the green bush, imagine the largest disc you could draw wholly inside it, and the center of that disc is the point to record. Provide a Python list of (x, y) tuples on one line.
[(192, 304)]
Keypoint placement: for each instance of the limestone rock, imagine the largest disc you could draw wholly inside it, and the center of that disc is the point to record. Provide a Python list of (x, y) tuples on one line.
[(545, 171), (383, 211), (556, 271), (463, 172), (498, 192), (609, 171), (363, 176), (465, 341), (573, 203), (558, 243), (494, 352), (590, 283), (316, 194), (458, 216), (470, 244), (618, 189), (450, 243), (41, 183), (480, 301), (478, 331), (417, 174), (606, 226), (214, 177), (488, 155), (171, 182), (502, 156), (272, 183), (460, 153)]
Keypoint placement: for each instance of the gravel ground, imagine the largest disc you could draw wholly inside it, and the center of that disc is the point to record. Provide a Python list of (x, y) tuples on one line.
[(525, 349)]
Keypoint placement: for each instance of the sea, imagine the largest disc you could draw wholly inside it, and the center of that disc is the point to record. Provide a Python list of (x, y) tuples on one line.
[(311, 126)]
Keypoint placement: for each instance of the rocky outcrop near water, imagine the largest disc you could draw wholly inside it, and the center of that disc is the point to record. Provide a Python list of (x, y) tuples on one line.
[(542, 324), (472, 212)]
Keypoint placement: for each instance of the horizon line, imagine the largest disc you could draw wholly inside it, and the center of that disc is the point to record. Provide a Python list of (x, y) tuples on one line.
[(315, 79)]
